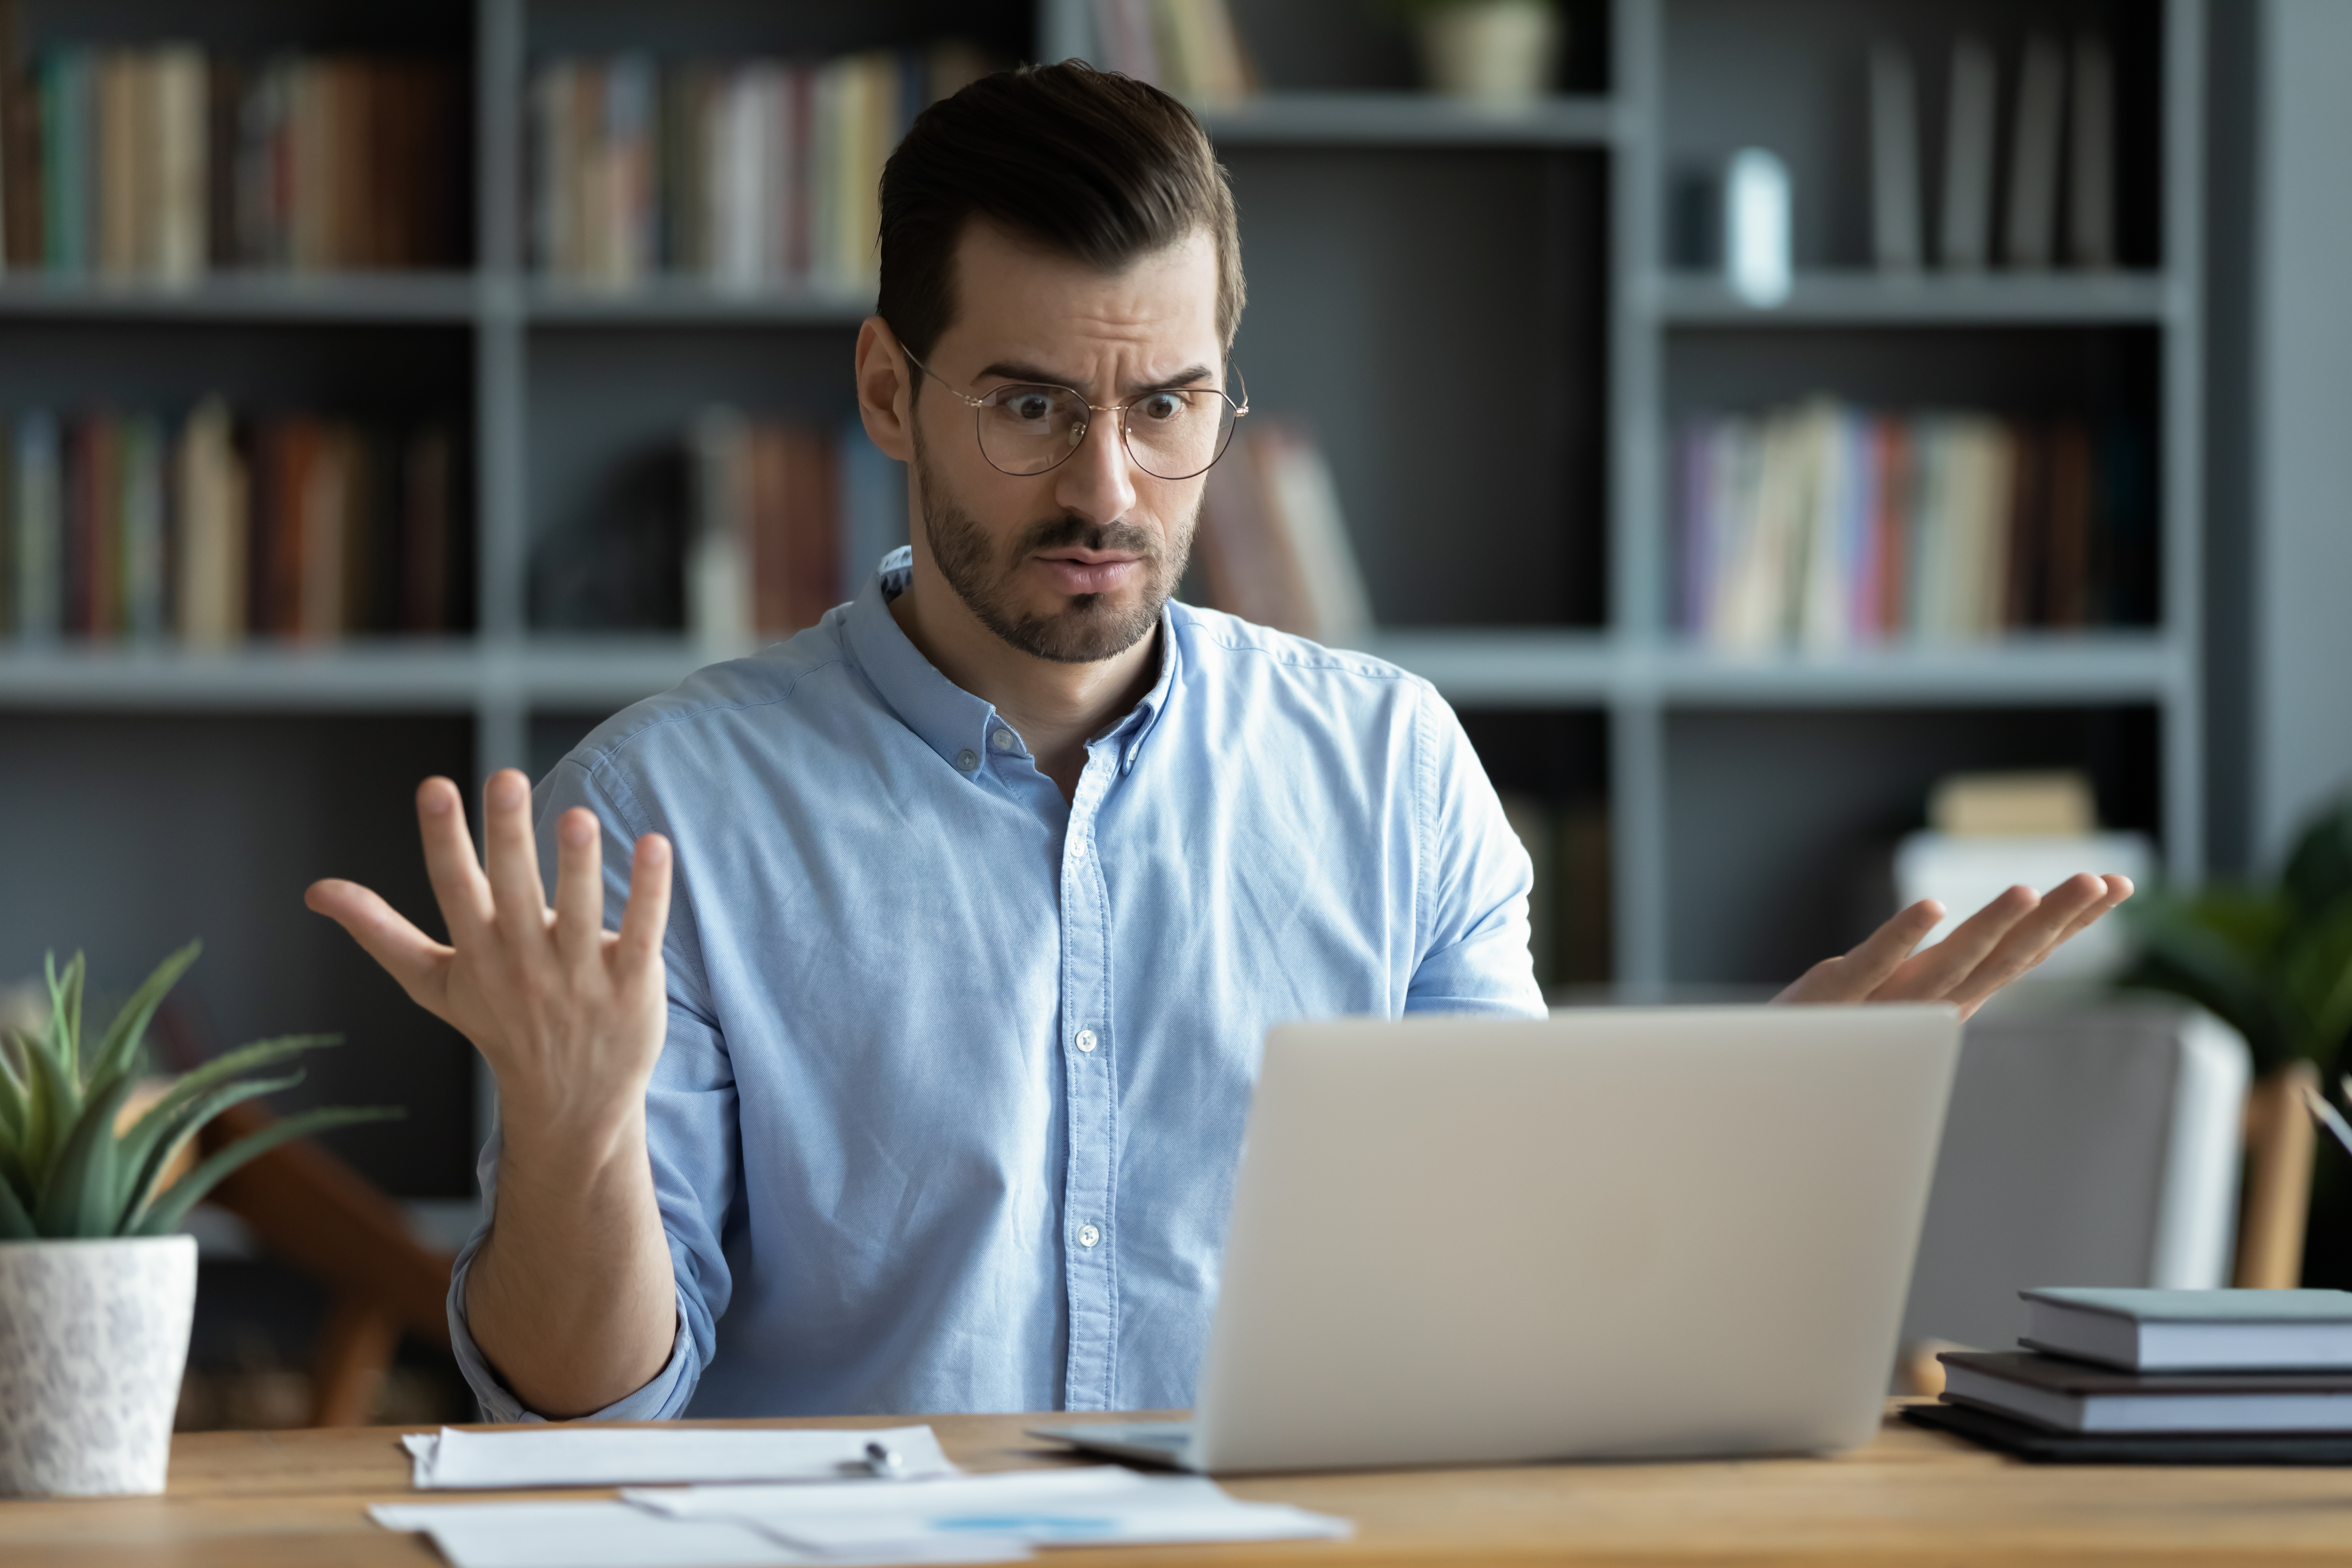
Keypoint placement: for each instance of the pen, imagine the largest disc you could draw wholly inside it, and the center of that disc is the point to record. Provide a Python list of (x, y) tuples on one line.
[(2326, 1116), (883, 1461)]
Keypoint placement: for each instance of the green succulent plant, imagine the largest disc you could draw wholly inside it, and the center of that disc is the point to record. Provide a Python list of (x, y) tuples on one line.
[(66, 1172), (2273, 961)]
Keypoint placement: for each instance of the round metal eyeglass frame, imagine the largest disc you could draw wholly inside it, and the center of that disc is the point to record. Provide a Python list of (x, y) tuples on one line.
[(977, 404)]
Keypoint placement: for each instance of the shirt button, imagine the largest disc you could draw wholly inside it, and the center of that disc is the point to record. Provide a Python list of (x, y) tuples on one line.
[(967, 759), (1086, 1040), (1077, 848), (999, 739), (1088, 1235)]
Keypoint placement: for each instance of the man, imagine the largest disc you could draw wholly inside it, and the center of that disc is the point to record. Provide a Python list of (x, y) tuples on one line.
[(928, 1095)]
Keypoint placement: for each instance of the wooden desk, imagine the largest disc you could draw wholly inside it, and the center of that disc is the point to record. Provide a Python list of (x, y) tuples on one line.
[(241, 1499)]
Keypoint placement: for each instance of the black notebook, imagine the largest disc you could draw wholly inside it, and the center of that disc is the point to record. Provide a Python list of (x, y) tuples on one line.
[(2042, 1445)]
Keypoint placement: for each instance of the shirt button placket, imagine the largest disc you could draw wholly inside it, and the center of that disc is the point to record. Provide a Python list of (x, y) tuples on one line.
[(1089, 1380)]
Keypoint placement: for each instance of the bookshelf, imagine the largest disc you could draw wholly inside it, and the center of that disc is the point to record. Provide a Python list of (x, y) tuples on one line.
[(1515, 540), (1720, 809)]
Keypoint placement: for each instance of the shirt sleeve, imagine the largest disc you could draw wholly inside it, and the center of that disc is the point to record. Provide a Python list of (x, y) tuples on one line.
[(692, 1135), (664, 1397), (1475, 879)]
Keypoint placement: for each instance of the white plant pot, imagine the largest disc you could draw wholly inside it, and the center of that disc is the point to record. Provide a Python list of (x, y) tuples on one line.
[(1495, 51), (93, 1338)]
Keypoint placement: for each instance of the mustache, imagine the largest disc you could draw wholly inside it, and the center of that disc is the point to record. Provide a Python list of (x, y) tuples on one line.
[(1062, 532)]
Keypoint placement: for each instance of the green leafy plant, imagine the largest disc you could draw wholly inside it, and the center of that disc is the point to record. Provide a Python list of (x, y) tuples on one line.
[(2273, 961), (67, 1173)]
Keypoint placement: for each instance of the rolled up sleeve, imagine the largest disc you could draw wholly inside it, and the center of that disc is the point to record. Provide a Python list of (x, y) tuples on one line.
[(662, 1397)]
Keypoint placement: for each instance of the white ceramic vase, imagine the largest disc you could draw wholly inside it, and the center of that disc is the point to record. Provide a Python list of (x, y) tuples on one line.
[(93, 1339), (1493, 51)]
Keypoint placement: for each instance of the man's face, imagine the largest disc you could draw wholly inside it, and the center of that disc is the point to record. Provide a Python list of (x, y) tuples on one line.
[(1072, 564)]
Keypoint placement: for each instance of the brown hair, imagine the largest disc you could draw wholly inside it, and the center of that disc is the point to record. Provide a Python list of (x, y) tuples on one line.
[(1096, 165)]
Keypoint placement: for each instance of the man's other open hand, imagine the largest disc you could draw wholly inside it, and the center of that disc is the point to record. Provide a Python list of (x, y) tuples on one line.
[(568, 1016), (1983, 954)]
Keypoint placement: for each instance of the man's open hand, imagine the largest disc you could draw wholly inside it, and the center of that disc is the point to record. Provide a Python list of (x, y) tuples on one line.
[(569, 1016), (1983, 954)]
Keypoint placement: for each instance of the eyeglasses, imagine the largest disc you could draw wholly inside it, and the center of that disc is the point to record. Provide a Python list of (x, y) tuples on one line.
[(1030, 427)]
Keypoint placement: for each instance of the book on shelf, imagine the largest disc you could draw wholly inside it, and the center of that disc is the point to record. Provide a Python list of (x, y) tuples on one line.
[(210, 529), (788, 521), (1895, 220), (1963, 240), (157, 162), (747, 174), (2054, 803), (2091, 155), (1825, 526), (1273, 542), (2193, 1330), (1189, 47), (2030, 222), (2055, 194)]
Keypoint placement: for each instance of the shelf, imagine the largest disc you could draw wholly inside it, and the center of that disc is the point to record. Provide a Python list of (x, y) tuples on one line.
[(675, 302), (1527, 667), (305, 297), (1510, 666), (605, 672), (1927, 299), (2039, 671), (428, 675), (1409, 119), (455, 674), (451, 297)]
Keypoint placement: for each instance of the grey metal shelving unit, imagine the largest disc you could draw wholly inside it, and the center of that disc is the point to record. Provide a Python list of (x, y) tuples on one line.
[(1546, 225), (1699, 76)]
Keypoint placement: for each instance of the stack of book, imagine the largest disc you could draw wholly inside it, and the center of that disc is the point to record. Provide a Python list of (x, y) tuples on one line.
[(746, 174), (2166, 1376), (214, 529), (1273, 543), (1189, 47), (1826, 526), (2056, 193), (158, 162), (789, 521)]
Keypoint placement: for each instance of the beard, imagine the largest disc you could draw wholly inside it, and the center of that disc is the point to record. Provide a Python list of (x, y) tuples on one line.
[(1093, 626)]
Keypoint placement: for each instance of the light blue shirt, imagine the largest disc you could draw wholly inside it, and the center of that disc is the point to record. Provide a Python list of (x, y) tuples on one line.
[(951, 1101)]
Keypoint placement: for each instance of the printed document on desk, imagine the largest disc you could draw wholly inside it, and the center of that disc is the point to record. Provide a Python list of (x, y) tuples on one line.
[(621, 1456), (1094, 1507), (615, 1536)]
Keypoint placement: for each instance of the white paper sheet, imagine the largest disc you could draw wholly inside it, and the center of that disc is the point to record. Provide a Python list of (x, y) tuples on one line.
[(615, 1536), (583, 1535), (1095, 1507), (616, 1455)]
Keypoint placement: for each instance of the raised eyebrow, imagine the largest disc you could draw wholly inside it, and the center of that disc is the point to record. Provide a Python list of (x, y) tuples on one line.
[(1014, 370), (1170, 382), (1011, 370)]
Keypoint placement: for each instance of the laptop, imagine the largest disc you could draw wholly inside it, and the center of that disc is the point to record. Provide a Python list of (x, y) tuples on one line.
[(1638, 1233)]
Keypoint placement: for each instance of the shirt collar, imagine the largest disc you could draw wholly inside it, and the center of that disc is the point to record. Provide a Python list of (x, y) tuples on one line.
[(949, 719)]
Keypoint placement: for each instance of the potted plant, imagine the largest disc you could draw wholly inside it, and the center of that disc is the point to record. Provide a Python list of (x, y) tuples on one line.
[(1498, 52), (96, 1287), (2275, 961)]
